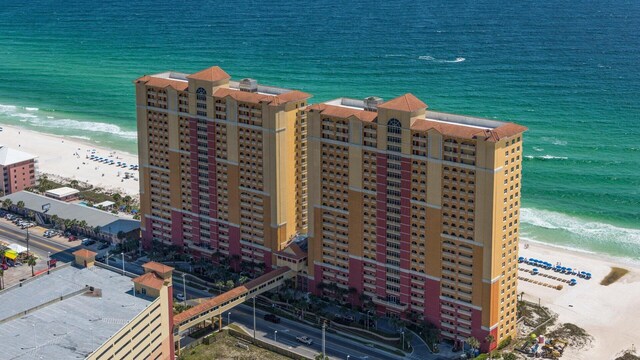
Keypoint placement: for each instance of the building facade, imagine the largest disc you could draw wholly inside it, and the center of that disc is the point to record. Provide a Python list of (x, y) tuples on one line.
[(18, 170), (409, 212), (222, 165), (415, 213)]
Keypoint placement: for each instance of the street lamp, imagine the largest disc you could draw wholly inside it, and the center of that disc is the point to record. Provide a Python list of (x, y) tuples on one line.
[(48, 261), (324, 326), (348, 356), (184, 288), (229, 318), (402, 339), (122, 253), (275, 336)]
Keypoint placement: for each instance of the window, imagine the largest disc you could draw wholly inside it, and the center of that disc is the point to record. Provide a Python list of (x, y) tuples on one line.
[(201, 94)]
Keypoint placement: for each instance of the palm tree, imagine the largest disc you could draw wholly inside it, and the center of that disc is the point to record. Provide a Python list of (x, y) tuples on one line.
[(1, 279), (31, 261), (74, 183), (473, 342), (7, 203), (20, 205)]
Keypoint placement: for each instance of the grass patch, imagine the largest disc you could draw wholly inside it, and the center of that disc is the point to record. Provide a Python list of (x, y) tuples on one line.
[(614, 275), (225, 347)]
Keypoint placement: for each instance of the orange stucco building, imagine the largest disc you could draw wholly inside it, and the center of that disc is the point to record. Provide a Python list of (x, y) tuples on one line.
[(410, 211), (222, 164)]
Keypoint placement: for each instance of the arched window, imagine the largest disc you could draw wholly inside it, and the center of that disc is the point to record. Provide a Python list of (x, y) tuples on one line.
[(201, 94), (394, 126)]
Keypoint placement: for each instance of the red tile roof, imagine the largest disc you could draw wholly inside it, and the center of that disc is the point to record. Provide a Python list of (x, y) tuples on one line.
[(298, 253), (406, 102), (163, 83), (157, 267), (149, 279), (84, 253), (256, 98), (344, 112), (469, 132), (214, 73)]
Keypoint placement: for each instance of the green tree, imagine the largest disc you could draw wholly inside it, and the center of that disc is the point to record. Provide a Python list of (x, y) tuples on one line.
[(509, 356), (229, 284), (20, 204), (321, 357), (490, 339), (74, 183), (7, 203), (31, 261), (116, 198), (473, 342)]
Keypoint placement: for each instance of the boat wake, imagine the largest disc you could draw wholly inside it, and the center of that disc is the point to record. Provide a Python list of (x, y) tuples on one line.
[(432, 59), (546, 157)]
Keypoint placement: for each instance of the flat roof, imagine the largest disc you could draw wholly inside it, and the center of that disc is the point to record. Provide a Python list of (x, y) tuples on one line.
[(108, 222), (71, 328), (62, 191), (10, 156), (104, 204)]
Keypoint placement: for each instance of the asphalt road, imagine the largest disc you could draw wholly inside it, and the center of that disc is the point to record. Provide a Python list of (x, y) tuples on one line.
[(17, 235)]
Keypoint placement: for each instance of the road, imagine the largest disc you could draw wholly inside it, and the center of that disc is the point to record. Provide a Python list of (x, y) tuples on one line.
[(57, 250), (337, 347)]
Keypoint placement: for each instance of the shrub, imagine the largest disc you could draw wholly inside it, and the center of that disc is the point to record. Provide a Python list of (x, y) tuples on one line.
[(504, 343), (481, 357), (509, 356)]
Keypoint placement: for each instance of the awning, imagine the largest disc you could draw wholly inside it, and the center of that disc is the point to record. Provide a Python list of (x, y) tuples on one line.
[(17, 248), (10, 254)]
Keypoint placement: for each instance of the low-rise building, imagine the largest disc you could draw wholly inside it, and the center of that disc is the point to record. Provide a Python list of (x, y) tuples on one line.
[(84, 310), (17, 170), (64, 193), (97, 223)]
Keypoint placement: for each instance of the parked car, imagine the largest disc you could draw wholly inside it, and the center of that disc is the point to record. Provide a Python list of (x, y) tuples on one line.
[(88, 242), (304, 339), (103, 246), (180, 296), (274, 319), (72, 238)]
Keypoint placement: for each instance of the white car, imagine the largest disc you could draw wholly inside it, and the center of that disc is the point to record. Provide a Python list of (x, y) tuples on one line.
[(180, 296), (304, 339)]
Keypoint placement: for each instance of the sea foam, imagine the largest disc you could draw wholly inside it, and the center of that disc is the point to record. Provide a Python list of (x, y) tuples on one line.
[(583, 233), (30, 116)]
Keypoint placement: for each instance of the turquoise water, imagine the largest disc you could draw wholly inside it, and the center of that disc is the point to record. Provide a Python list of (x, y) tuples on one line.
[(567, 70)]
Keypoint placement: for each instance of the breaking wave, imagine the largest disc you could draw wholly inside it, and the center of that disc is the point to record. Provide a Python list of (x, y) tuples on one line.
[(30, 116)]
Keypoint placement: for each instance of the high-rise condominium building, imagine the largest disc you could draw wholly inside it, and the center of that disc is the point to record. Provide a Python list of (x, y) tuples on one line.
[(415, 213), (222, 164), (411, 213)]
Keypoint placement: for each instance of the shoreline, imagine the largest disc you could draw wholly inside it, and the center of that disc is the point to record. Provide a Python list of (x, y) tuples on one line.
[(67, 157), (589, 305)]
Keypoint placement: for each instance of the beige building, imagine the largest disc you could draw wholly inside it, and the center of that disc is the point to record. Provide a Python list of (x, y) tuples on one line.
[(414, 213), (84, 310), (222, 165)]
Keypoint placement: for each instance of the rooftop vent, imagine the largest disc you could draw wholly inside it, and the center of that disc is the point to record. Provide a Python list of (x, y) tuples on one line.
[(249, 85), (371, 103)]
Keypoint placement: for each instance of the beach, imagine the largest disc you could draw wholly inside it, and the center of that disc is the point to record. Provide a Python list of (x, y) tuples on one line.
[(608, 313), (67, 158)]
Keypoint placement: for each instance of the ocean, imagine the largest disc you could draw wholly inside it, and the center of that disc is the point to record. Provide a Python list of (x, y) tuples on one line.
[(569, 70)]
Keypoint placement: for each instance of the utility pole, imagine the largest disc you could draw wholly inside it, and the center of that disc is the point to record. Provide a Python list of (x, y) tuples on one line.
[(324, 326), (254, 318), (184, 288), (48, 261), (27, 241)]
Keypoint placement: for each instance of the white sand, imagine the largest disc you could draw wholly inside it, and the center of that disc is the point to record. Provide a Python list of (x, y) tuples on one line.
[(57, 156), (611, 314)]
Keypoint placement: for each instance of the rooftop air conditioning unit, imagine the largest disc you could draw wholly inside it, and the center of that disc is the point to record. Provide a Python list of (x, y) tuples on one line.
[(371, 103), (249, 85)]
